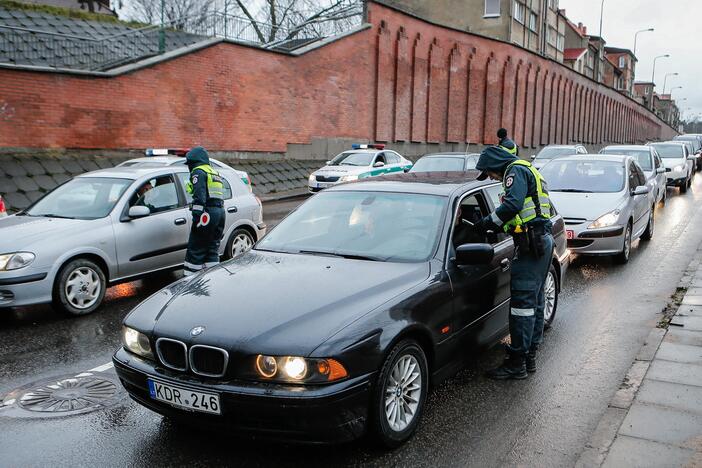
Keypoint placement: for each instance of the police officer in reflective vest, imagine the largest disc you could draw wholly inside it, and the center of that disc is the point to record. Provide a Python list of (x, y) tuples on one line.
[(525, 213), (507, 144), (207, 190)]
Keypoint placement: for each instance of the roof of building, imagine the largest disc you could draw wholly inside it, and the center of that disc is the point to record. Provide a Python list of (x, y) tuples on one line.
[(619, 50), (573, 54), (42, 39), (644, 83)]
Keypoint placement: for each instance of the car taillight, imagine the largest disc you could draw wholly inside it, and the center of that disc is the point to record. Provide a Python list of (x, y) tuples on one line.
[(248, 182), (3, 212)]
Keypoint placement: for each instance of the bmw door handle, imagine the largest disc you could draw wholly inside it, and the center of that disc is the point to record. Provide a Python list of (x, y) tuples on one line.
[(179, 221), (232, 209), (505, 264)]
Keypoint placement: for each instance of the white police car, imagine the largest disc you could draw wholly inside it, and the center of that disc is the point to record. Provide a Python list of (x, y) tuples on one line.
[(358, 163)]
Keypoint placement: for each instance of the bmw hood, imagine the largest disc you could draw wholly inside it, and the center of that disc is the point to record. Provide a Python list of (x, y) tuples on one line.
[(589, 206), (22, 232), (274, 303)]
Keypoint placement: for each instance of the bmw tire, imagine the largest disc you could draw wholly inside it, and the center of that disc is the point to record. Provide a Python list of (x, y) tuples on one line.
[(79, 287), (399, 394), (623, 256), (239, 243)]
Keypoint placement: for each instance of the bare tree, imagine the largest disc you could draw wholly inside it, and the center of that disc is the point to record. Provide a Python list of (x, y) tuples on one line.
[(175, 12)]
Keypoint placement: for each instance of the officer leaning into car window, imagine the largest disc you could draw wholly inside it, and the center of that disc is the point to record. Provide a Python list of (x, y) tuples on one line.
[(507, 144), (207, 190), (524, 213)]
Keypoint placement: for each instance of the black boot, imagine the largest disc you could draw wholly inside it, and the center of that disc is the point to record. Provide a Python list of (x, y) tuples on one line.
[(531, 360), (513, 367)]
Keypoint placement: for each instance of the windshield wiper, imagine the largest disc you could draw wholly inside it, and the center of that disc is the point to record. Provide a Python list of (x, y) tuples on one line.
[(51, 215), (342, 255), (572, 190)]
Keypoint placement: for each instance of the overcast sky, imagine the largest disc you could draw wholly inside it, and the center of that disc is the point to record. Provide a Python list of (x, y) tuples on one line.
[(678, 27)]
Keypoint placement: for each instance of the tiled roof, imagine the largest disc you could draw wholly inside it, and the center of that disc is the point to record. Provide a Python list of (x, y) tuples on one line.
[(63, 42), (573, 54)]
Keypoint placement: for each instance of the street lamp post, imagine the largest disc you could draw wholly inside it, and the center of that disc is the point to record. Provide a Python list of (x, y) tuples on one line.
[(666, 79), (601, 13), (653, 75), (670, 107), (636, 37)]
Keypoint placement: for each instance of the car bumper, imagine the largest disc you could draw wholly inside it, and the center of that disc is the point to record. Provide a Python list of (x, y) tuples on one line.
[(24, 289), (317, 414), (603, 241), (676, 181)]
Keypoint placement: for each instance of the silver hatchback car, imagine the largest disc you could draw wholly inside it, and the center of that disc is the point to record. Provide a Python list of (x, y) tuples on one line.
[(604, 200), (111, 226)]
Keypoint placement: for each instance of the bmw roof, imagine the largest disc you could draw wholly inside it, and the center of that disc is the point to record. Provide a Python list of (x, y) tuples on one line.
[(427, 183)]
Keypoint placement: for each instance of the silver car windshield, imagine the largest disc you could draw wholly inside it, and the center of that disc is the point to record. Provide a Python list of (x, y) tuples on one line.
[(396, 227), (643, 157), (584, 176), (81, 198), (438, 163), (550, 153), (669, 150), (353, 159)]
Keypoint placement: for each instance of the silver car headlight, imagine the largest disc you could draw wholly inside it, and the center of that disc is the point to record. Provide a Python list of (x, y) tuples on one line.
[(678, 168), (136, 342), (311, 178), (349, 178), (605, 220), (15, 260)]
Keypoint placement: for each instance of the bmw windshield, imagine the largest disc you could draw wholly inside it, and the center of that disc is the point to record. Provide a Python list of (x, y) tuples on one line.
[(81, 198), (379, 226), (584, 176), (353, 159)]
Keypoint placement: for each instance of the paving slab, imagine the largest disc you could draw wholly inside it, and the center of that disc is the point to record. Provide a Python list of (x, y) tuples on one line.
[(681, 336), (629, 451), (688, 323), (677, 396), (692, 299), (689, 310), (661, 424), (675, 372), (677, 352)]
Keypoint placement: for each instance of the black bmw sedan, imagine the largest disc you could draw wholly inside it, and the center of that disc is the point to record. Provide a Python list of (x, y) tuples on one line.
[(338, 321)]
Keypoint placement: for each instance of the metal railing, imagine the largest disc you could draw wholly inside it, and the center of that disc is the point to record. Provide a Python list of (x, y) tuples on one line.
[(35, 47)]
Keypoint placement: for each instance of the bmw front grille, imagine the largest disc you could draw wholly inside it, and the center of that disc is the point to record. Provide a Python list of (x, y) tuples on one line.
[(204, 360)]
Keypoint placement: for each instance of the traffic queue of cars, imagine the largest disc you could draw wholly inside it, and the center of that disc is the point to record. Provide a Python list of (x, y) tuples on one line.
[(338, 321)]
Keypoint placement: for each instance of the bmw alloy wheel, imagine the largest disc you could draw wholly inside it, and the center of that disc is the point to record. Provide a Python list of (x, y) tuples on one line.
[(83, 287), (403, 393), (549, 296)]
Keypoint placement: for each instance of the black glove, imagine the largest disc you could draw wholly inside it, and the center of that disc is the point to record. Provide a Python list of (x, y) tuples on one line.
[(484, 225)]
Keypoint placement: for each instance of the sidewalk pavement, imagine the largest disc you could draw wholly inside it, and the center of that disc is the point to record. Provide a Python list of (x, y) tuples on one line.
[(662, 421)]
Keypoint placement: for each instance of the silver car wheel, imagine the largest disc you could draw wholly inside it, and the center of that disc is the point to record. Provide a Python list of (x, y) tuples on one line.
[(549, 296), (403, 392), (82, 287), (241, 244)]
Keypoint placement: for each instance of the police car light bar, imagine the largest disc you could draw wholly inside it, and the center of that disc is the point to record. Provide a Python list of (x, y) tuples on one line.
[(357, 146), (166, 151)]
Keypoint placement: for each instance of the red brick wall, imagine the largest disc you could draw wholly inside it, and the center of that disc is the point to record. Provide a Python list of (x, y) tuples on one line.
[(404, 80)]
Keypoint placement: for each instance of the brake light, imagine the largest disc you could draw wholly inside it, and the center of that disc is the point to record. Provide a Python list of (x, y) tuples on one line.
[(3, 212), (359, 146)]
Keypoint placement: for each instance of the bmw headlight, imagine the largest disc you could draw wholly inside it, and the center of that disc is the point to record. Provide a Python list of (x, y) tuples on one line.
[(678, 168), (16, 260), (296, 369), (605, 220), (349, 178), (136, 342)]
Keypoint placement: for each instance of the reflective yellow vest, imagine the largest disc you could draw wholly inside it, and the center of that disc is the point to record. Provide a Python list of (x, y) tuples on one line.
[(529, 210), (215, 186), (512, 150)]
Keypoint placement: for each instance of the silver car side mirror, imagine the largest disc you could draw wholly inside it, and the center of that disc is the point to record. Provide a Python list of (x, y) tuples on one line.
[(139, 212), (533, 156), (640, 190), (661, 170)]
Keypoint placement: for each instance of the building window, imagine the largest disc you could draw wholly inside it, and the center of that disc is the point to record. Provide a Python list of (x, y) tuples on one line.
[(519, 12), (561, 43), (622, 62), (552, 36), (553, 4), (533, 21), (492, 8)]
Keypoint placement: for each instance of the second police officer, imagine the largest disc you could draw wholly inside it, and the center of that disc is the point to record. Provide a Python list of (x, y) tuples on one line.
[(525, 213), (207, 190), (507, 144)]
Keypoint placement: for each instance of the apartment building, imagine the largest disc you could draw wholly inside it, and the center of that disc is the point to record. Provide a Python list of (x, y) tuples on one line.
[(625, 61)]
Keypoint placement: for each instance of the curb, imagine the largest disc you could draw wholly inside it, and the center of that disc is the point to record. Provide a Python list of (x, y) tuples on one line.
[(597, 448), (285, 196)]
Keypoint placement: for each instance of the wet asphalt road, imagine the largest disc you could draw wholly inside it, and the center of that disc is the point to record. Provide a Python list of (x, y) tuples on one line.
[(605, 313)]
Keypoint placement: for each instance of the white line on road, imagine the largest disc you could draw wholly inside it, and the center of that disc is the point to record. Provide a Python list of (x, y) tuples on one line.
[(102, 368)]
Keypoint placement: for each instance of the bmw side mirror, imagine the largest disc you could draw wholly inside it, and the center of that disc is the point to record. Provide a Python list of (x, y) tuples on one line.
[(474, 254), (138, 212), (662, 170), (640, 190), (379, 164)]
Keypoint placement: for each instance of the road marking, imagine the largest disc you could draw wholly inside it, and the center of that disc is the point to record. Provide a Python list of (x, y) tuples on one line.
[(102, 368)]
